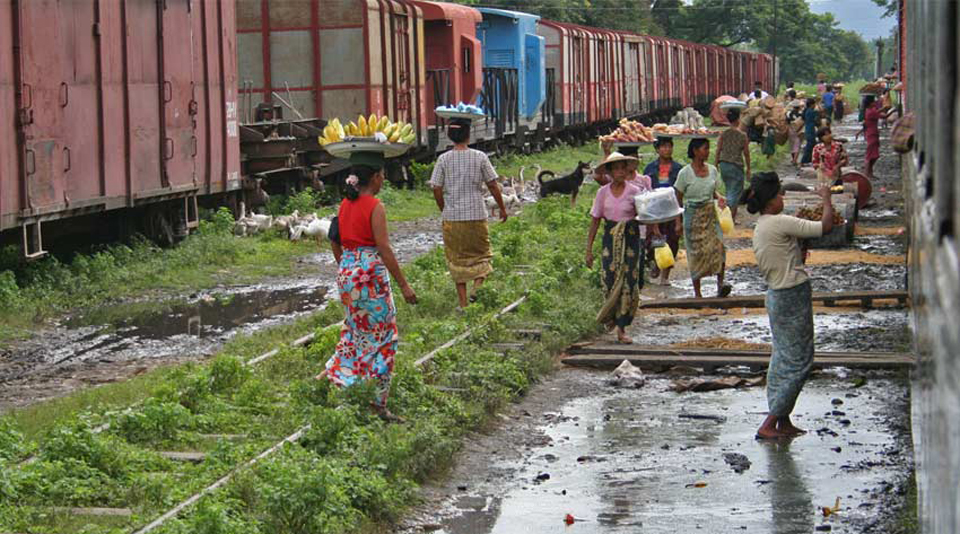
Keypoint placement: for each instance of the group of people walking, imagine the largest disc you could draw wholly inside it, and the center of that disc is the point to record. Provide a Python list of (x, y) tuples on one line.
[(361, 246), (815, 119)]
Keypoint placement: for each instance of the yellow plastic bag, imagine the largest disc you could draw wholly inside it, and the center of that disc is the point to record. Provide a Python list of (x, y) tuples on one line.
[(664, 257), (726, 220)]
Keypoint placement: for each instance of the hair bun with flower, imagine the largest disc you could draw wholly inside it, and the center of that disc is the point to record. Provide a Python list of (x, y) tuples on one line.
[(352, 180)]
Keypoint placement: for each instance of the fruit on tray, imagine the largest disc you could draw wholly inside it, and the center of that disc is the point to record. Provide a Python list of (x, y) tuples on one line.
[(816, 213), (629, 131), (392, 132)]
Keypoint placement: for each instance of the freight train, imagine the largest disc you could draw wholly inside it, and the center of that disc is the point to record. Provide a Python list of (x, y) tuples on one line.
[(125, 116)]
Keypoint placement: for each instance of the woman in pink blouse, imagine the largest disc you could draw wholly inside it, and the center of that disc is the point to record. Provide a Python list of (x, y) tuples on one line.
[(621, 258)]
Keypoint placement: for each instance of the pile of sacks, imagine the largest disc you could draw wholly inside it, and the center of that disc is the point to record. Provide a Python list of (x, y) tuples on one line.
[(769, 112), (689, 118)]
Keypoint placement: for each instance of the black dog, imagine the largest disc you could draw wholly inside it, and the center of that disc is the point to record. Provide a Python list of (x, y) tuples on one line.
[(567, 185)]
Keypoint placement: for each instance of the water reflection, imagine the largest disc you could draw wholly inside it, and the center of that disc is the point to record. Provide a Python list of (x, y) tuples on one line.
[(790, 502)]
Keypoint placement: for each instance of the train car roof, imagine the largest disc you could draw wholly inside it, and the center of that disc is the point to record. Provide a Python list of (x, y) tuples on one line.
[(516, 15), (447, 11)]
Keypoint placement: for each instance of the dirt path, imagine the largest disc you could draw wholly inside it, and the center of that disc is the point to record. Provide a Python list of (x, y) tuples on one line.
[(624, 461), (124, 339)]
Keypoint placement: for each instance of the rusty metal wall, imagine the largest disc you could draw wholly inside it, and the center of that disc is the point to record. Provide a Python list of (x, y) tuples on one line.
[(932, 189), (333, 58), (108, 104)]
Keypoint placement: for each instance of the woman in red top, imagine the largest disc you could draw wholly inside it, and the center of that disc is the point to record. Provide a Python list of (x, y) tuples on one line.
[(369, 337), (871, 131)]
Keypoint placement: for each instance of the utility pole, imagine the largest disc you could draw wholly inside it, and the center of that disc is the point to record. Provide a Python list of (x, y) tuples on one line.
[(878, 69), (776, 27)]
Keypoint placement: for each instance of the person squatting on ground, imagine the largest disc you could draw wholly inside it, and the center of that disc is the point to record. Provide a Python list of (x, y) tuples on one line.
[(871, 132), (811, 117), (776, 244), (457, 181), (663, 172), (829, 157), (733, 160), (621, 257), (361, 246)]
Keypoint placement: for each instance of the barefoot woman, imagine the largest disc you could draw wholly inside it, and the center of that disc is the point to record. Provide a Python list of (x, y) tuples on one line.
[(369, 337), (776, 243), (622, 257), (697, 186)]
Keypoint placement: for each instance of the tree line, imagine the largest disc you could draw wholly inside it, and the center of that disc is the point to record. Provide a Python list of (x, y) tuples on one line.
[(806, 43)]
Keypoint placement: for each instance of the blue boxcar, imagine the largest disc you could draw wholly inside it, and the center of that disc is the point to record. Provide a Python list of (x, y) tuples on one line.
[(510, 41)]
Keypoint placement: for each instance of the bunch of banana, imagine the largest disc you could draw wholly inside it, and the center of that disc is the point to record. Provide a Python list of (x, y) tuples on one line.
[(395, 132), (333, 132)]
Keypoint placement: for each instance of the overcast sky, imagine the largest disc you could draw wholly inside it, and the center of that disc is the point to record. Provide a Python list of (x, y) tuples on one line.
[(861, 16)]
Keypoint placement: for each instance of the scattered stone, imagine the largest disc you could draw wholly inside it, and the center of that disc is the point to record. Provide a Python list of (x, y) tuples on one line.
[(836, 449), (838, 413), (717, 418), (823, 528), (665, 446), (737, 461), (542, 477), (836, 402), (844, 422), (462, 487)]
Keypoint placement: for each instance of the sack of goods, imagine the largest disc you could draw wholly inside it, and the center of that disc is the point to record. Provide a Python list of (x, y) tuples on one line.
[(657, 206)]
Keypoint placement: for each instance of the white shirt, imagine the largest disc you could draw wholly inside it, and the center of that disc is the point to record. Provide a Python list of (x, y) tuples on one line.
[(776, 244)]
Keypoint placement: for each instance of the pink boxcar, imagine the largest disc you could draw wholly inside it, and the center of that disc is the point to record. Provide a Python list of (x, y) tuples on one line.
[(114, 104)]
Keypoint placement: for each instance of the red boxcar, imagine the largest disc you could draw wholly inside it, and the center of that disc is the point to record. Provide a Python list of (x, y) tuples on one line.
[(454, 64), (107, 105), (567, 56), (335, 58)]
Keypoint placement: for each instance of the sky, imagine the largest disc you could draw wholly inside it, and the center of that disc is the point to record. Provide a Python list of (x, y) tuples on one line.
[(862, 16)]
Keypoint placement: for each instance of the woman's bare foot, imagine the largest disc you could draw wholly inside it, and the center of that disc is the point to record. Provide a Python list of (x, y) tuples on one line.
[(623, 338), (768, 430), (384, 413), (785, 426)]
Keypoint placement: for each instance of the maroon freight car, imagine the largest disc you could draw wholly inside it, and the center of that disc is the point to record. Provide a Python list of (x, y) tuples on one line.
[(107, 105), (454, 63), (334, 58)]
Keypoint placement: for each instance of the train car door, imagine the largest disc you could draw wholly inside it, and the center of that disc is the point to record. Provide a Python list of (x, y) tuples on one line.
[(578, 51), (632, 78), (402, 69), (179, 142), (41, 104)]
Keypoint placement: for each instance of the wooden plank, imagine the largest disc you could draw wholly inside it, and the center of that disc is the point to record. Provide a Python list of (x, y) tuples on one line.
[(758, 301), (95, 511), (528, 333), (507, 347), (661, 361), (183, 456), (640, 350)]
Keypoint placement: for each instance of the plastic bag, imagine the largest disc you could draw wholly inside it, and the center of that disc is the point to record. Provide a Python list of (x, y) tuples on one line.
[(726, 219), (664, 257)]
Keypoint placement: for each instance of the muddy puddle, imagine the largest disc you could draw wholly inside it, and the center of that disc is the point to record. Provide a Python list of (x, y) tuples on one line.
[(625, 461), (113, 342), (747, 280)]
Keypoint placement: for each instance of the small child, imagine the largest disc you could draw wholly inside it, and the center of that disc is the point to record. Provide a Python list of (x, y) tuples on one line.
[(829, 157)]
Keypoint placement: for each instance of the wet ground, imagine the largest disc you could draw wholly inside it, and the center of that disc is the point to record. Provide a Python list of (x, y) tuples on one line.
[(625, 461), (123, 339)]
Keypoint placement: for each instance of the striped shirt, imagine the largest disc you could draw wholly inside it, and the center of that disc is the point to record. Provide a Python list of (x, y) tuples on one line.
[(462, 174)]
